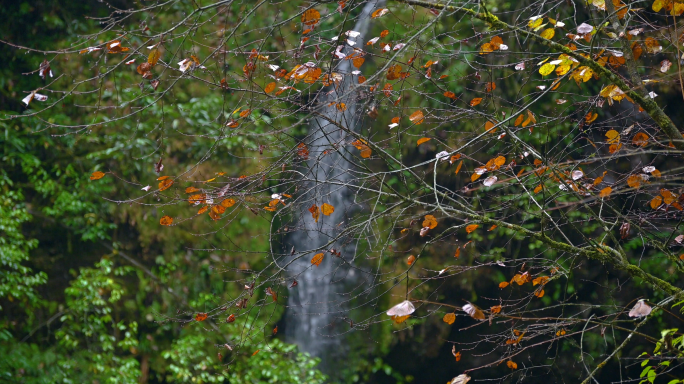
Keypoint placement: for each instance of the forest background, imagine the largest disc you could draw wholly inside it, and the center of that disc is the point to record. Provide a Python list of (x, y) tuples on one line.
[(91, 288)]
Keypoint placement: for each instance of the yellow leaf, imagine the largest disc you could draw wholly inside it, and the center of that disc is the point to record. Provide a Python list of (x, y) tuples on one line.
[(548, 33), (327, 209), (546, 69), (154, 57), (613, 136), (535, 23), (423, 140)]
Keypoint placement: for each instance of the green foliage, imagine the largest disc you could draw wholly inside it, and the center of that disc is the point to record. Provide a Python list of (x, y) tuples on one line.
[(17, 281)]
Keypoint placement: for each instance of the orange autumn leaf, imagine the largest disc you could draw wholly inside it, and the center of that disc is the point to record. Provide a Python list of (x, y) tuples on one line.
[(327, 209), (218, 209), (495, 309), (411, 259), (605, 192), (450, 95), (384, 33), (341, 107), (227, 203), (366, 152), (315, 213), (503, 284), (449, 318), (245, 113), (538, 188), (311, 17), (496, 42), (475, 101), (656, 202), (417, 117), (471, 228), (668, 197), (511, 364), (97, 175), (490, 87), (379, 13), (519, 120), (493, 227), (203, 209), (640, 139), (458, 356), (303, 151), (430, 221), (201, 317), (191, 190), (590, 117), (457, 253), (358, 61), (317, 259), (362, 79), (255, 352), (166, 220), (165, 184), (197, 198), (422, 140), (270, 87), (539, 293), (458, 167), (614, 148)]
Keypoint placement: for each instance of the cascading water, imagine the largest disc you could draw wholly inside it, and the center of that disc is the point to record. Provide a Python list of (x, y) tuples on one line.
[(316, 305)]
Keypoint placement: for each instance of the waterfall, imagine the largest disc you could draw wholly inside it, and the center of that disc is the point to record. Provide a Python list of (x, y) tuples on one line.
[(316, 307)]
